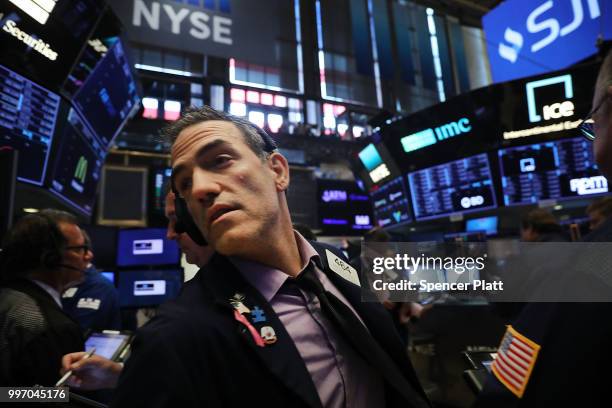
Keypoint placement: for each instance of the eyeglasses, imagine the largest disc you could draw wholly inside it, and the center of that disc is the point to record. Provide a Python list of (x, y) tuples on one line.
[(587, 125), (82, 249)]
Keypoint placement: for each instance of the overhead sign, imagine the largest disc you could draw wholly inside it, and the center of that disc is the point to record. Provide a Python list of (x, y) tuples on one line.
[(42, 39), (526, 37), (243, 29), (550, 107), (430, 136)]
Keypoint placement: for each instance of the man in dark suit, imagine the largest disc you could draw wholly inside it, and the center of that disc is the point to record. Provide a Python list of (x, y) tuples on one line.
[(42, 255), (272, 320), (558, 354)]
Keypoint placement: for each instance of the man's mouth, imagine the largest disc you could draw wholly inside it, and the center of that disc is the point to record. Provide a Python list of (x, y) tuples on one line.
[(218, 211)]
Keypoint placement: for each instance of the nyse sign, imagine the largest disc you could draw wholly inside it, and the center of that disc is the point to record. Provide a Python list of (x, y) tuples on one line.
[(243, 29), (527, 37)]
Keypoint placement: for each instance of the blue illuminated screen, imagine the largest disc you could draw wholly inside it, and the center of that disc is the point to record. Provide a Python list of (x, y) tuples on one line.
[(526, 37), (461, 186), (146, 246), (109, 95), (487, 224), (370, 157), (555, 170)]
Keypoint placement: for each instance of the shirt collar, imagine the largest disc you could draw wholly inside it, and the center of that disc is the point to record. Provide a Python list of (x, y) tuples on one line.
[(50, 290), (268, 280)]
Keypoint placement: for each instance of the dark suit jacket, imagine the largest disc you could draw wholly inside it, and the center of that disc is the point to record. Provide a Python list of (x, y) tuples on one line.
[(572, 368), (194, 353), (34, 335)]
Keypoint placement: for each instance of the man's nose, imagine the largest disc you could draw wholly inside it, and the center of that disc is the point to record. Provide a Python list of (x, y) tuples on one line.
[(204, 188)]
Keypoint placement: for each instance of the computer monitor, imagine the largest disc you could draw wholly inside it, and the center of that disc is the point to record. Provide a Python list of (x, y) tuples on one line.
[(461, 186), (144, 288), (159, 183), (390, 202), (486, 224), (28, 115), (146, 246), (343, 208), (557, 170), (77, 165), (109, 96)]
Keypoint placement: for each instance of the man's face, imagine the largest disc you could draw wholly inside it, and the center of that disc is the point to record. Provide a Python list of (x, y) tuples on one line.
[(603, 130), (195, 254), (75, 254), (232, 194)]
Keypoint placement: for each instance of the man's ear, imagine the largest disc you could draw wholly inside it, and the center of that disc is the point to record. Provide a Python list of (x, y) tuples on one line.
[(280, 166)]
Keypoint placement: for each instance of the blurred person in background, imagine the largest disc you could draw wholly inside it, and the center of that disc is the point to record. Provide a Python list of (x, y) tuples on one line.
[(43, 254)]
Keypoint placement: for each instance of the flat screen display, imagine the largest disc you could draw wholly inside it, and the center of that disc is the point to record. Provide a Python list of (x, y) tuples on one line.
[(146, 246), (42, 39), (28, 115), (108, 345), (149, 288), (78, 165), (343, 209), (109, 95), (461, 186), (486, 224), (556, 170), (390, 203)]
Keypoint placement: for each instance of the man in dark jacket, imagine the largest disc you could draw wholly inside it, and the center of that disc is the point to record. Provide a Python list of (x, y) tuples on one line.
[(558, 354), (42, 255), (272, 320)]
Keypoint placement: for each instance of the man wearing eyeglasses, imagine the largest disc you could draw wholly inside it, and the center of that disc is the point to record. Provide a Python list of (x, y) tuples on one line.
[(571, 341), (42, 255), (94, 303)]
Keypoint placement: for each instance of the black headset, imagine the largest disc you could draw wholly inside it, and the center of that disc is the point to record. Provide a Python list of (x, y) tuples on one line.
[(184, 220)]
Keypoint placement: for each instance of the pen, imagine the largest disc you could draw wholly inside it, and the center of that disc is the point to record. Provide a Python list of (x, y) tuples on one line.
[(65, 377)]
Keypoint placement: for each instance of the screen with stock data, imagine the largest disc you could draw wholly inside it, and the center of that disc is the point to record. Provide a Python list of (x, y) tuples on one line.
[(390, 203), (554, 170), (28, 114), (459, 186)]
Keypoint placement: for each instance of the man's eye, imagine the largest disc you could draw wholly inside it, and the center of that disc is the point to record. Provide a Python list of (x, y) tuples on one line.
[(221, 160)]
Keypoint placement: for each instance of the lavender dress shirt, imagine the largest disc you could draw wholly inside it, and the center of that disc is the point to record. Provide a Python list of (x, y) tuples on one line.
[(341, 376)]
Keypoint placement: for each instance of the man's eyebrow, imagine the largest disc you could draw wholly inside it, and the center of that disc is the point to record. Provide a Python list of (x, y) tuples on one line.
[(210, 146), (201, 152)]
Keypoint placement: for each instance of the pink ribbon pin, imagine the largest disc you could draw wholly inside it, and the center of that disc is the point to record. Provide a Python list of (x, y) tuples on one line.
[(258, 340)]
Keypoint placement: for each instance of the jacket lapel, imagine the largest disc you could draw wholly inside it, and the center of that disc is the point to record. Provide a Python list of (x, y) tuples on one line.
[(375, 317), (225, 283)]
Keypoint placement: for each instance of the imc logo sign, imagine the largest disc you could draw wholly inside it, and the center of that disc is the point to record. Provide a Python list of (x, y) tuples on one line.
[(430, 136), (556, 93), (527, 37)]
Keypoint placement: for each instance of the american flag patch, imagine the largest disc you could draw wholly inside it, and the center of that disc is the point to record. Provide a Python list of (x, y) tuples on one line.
[(515, 359)]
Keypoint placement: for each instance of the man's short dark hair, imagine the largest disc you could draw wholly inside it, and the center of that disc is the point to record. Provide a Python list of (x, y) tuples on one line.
[(253, 136), (34, 242), (541, 221), (602, 206)]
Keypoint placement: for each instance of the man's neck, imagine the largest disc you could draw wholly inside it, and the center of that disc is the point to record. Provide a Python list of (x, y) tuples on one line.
[(46, 279), (278, 250)]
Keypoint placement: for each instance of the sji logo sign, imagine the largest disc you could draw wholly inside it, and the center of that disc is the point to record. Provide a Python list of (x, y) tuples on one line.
[(527, 37), (550, 26), (554, 110)]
